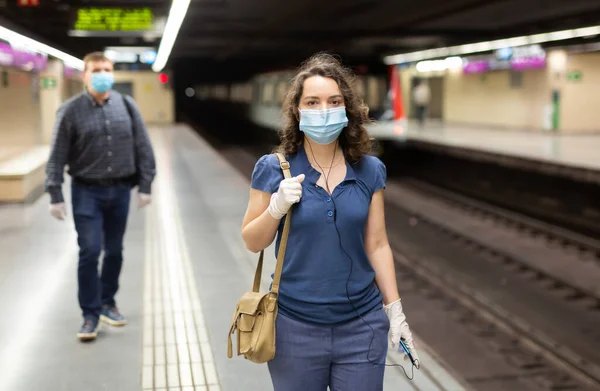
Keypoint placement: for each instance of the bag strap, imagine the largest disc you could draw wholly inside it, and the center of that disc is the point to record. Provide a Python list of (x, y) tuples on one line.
[(285, 167), (133, 126), (128, 107)]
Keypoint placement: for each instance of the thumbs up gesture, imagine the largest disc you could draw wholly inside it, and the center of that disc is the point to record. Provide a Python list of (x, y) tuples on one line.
[(290, 192)]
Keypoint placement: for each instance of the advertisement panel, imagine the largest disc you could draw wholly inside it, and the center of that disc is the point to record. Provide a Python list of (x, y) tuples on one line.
[(26, 60)]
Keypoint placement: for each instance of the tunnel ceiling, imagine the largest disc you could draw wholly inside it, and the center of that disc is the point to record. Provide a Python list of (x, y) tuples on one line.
[(283, 32)]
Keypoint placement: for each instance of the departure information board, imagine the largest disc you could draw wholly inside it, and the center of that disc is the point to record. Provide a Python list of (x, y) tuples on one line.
[(114, 19)]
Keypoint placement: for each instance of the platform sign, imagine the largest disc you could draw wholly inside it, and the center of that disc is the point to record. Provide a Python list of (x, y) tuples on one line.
[(114, 19), (48, 82), (574, 75), (22, 58)]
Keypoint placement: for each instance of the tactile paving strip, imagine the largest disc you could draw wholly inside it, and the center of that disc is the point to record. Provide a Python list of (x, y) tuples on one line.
[(177, 353)]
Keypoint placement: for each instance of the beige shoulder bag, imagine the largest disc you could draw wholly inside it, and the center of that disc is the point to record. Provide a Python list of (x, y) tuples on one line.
[(256, 312)]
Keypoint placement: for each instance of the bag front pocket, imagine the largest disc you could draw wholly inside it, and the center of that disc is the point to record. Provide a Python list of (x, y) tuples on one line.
[(249, 330)]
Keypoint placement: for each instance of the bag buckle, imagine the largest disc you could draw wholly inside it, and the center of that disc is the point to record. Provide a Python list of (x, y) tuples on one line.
[(284, 165)]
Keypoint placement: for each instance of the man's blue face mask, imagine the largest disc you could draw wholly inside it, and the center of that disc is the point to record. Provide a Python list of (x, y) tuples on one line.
[(323, 126), (102, 81)]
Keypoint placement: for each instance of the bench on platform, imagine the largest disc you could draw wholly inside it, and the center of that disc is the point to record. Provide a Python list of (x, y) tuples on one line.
[(22, 173), (8, 153)]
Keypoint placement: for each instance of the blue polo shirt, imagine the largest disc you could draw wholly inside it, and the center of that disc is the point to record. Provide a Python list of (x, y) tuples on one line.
[(316, 266)]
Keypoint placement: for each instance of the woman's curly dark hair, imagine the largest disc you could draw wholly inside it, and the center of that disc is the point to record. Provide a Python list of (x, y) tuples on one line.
[(354, 139)]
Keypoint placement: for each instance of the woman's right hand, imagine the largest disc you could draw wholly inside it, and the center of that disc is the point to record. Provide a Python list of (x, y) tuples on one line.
[(290, 192)]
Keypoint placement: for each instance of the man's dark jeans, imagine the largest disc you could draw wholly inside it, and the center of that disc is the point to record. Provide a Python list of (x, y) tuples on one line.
[(100, 215), (421, 114)]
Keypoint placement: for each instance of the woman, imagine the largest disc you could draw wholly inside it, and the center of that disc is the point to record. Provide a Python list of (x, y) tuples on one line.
[(338, 266)]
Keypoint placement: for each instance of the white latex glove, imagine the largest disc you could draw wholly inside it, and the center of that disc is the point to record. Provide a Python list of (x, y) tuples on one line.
[(58, 211), (290, 191), (143, 200), (399, 329)]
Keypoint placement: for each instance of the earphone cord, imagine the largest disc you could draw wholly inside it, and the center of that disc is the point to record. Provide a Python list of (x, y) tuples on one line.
[(351, 266)]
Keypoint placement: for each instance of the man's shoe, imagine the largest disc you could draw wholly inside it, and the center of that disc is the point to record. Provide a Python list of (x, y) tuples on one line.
[(89, 329), (111, 315)]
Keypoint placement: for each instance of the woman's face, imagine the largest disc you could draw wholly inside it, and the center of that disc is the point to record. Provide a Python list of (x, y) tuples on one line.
[(319, 93)]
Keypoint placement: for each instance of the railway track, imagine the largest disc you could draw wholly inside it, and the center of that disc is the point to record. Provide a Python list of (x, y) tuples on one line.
[(490, 353), (516, 186), (482, 308), (550, 255), (587, 247), (556, 340)]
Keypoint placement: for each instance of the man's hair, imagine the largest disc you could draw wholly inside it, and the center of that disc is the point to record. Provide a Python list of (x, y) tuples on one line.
[(92, 57)]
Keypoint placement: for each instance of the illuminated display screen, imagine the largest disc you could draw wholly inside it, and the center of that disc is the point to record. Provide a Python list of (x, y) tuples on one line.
[(113, 19)]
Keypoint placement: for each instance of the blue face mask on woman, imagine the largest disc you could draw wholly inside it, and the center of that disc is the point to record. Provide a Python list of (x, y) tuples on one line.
[(102, 81), (323, 126)]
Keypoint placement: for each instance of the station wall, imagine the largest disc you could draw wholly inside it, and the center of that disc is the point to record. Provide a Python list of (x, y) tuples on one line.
[(27, 112), (519, 100), (491, 99), (579, 99), (20, 115), (155, 100), (71, 86)]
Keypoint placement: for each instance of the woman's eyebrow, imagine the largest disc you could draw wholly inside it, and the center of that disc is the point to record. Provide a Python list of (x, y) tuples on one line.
[(316, 97)]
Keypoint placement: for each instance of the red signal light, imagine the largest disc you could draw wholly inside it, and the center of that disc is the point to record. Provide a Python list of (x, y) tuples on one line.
[(28, 3), (163, 78)]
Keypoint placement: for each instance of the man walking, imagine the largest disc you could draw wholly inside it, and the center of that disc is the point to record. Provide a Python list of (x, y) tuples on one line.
[(422, 96), (101, 136)]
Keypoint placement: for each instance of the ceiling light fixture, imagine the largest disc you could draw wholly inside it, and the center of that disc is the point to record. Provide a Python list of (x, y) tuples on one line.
[(20, 41), (176, 15), (491, 45), (439, 65)]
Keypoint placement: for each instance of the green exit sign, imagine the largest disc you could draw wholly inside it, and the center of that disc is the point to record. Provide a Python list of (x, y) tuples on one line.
[(574, 76), (113, 19), (48, 82)]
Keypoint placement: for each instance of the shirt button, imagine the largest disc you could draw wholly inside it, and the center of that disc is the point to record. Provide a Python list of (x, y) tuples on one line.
[(328, 199), (109, 137), (109, 153), (330, 213), (107, 122), (109, 168)]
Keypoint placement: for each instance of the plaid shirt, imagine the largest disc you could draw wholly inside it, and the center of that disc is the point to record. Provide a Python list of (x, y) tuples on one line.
[(99, 142)]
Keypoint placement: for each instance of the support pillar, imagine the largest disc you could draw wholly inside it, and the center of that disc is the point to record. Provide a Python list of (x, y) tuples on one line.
[(51, 87)]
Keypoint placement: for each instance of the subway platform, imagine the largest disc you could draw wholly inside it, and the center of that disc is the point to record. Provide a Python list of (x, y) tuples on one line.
[(570, 155), (185, 267)]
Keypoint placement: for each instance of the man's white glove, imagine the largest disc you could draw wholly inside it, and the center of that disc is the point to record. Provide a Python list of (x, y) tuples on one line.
[(58, 211), (143, 200), (399, 329), (290, 191)]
